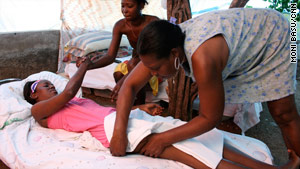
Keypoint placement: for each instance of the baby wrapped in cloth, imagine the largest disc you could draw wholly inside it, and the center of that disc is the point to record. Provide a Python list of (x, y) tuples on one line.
[(207, 148)]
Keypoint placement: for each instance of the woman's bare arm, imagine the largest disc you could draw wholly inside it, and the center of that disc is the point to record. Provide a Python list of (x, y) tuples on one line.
[(139, 76), (207, 67), (113, 48)]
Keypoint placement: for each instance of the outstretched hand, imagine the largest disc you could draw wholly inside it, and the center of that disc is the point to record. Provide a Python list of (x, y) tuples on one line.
[(86, 60), (151, 108), (80, 60)]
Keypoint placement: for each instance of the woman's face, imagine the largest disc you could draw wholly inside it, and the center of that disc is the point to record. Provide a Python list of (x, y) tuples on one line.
[(163, 68), (45, 90), (130, 9)]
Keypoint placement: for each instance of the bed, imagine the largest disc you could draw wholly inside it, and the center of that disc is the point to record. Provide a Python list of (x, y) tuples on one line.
[(25, 144)]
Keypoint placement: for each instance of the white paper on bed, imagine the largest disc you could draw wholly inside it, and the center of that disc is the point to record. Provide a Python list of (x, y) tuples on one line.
[(102, 78), (207, 148)]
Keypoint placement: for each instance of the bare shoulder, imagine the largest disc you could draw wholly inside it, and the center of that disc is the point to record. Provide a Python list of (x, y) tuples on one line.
[(119, 25), (150, 18), (36, 112), (120, 22), (35, 108), (212, 53)]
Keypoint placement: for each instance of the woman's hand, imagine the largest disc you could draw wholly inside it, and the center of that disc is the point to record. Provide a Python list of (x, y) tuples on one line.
[(151, 108), (118, 145), (79, 60), (85, 59), (115, 91), (155, 146)]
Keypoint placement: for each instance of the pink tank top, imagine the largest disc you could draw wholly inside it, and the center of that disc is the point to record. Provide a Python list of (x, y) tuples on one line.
[(80, 115)]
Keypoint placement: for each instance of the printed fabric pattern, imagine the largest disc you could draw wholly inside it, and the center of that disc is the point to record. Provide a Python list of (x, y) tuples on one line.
[(258, 68)]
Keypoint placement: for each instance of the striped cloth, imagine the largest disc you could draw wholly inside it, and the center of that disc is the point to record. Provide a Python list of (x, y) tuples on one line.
[(91, 42)]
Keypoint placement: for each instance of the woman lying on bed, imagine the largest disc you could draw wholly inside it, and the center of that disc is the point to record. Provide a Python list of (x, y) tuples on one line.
[(65, 111)]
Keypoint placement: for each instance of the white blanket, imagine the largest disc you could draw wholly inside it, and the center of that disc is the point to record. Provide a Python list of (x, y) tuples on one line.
[(208, 147)]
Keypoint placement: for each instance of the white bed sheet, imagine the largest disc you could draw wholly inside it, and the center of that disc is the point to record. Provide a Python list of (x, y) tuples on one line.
[(24, 144), (102, 78), (27, 145)]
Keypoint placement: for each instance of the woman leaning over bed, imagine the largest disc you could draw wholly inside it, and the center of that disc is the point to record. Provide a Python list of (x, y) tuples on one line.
[(234, 56), (65, 111)]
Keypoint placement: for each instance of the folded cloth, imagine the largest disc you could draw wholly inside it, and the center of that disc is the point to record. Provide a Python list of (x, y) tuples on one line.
[(122, 67), (207, 148)]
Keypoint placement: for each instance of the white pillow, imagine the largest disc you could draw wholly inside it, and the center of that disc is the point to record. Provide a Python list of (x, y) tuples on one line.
[(91, 42), (13, 106)]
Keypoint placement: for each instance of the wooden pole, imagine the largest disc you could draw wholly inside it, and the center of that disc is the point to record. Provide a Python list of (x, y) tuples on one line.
[(238, 3), (181, 94)]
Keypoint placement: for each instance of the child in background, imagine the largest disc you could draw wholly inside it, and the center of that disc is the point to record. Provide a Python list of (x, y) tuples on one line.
[(65, 111), (131, 26)]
